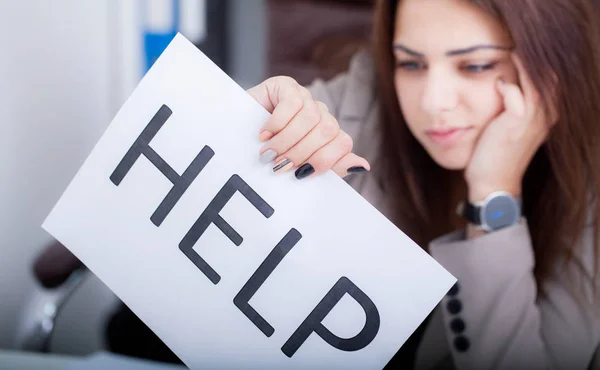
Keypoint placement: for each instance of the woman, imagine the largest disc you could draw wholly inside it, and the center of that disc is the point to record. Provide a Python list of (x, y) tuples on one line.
[(491, 105)]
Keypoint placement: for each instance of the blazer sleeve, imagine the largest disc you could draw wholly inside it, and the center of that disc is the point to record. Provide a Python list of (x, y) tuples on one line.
[(350, 97), (494, 317)]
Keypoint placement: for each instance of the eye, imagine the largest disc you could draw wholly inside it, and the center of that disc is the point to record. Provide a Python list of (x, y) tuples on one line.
[(410, 65), (478, 68)]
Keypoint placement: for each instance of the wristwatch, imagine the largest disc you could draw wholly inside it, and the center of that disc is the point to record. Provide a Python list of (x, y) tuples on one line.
[(499, 210)]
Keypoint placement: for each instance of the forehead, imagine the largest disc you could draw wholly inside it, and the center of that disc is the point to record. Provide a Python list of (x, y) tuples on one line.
[(433, 26)]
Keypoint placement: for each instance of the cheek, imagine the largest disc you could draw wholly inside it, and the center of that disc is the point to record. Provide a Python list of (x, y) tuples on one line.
[(409, 100), (483, 104), (479, 104)]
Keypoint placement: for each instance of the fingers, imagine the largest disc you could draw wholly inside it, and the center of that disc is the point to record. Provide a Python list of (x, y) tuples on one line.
[(297, 129), (351, 164), (273, 90), (512, 97), (537, 112), (282, 115), (295, 100), (526, 117), (524, 80), (531, 96), (329, 155), (284, 98), (324, 132), (301, 132)]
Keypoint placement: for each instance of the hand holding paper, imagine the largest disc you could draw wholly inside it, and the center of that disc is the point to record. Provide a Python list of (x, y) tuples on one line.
[(302, 133), (230, 264)]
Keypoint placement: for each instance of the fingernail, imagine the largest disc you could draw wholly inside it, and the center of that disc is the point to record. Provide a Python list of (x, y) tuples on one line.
[(268, 156), (281, 165), (304, 171), (356, 169), (265, 135)]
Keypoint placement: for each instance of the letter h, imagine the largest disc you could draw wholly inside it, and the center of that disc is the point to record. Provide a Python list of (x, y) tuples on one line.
[(181, 183)]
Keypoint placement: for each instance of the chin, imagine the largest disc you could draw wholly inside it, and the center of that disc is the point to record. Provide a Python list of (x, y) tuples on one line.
[(451, 161)]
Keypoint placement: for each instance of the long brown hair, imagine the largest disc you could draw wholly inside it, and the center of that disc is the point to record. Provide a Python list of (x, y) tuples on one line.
[(558, 42)]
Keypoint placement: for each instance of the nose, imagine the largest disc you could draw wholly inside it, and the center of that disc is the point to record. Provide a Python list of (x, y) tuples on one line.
[(440, 92)]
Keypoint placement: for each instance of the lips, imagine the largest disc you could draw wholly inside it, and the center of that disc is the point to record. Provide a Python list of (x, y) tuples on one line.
[(446, 136)]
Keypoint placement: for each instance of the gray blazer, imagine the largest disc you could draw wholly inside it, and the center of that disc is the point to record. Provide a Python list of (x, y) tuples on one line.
[(506, 324)]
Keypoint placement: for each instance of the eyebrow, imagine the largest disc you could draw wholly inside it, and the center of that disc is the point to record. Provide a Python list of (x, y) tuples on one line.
[(453, 52)]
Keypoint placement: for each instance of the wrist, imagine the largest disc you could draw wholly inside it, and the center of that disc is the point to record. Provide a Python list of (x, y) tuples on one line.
[(493, 210), (478, 193)]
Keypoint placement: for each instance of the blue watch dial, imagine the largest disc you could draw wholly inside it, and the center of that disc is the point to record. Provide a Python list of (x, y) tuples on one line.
[(500, 211)]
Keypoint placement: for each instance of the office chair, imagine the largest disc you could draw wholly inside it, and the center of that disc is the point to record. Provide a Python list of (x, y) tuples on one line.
[(59, 273)]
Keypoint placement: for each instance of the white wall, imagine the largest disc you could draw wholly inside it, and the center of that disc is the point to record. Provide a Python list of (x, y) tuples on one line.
[(55, 103), (66, 66)]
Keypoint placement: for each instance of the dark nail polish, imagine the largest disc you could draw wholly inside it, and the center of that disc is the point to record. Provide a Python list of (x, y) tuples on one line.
[(304, 171), (356, 169)]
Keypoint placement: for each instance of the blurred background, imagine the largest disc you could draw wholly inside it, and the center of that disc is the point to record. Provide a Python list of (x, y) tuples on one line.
[(66, 67)]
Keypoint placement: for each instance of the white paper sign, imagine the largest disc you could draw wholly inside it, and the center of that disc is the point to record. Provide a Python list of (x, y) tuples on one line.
[(231, 265)]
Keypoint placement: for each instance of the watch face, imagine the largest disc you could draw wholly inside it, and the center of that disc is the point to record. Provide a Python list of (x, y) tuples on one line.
[(501, 211)]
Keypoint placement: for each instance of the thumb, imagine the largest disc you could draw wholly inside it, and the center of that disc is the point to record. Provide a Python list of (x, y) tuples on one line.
[(260, 93), (512, 97), (275, 89)]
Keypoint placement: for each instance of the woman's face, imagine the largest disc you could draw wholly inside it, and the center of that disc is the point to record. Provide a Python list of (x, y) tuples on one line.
[(449, 55)]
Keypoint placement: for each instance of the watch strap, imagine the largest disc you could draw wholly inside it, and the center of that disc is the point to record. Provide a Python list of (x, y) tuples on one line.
[(472, 213)]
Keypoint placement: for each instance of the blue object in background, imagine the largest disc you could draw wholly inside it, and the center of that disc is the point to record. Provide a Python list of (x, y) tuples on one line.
[(156, 42)]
